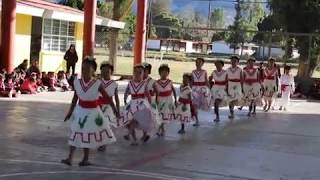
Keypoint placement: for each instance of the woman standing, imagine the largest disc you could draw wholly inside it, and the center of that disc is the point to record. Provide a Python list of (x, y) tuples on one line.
[(71, 57)]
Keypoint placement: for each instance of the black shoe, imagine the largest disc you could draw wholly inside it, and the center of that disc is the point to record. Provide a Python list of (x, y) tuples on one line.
[(126, 137), (181, 131), (84, 163), (196, 125), (102, 148), (66, 162), (217, 120), (146, 138)]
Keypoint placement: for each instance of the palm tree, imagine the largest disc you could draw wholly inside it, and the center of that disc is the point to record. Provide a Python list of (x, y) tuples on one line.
[(121, 9)]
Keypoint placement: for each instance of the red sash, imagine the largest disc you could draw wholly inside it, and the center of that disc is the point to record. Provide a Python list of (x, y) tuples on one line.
[(220, 83), (165, 93), (138, 96), (283, 87), (184, 101), (88, 104), (251, 81), (103, 101), (199, 84), (234, 80), (270, 78)]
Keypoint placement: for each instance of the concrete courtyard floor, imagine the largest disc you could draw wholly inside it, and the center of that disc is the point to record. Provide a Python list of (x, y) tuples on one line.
[(275, 145)]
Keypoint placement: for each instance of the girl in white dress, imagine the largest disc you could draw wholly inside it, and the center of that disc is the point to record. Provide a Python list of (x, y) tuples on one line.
[(111, 87), (183, 112), (165, 95), (270, 84), (234, 89), (138, 112), (251, 86), (89, 127), (287, 88), (152, 92), (219, 81), (201, 95)]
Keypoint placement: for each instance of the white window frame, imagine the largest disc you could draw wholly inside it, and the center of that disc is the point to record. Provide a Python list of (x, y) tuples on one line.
[(68, 37)]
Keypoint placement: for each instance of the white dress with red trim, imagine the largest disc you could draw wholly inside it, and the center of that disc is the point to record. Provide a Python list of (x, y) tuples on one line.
[(166, 105), (287, 88), (183, 111), (218, 89), (139, 109), (150, 84), (150, 88), (270, 83), (251, 86), (234, 84), (201, 95), (110, 87), (89, 127)]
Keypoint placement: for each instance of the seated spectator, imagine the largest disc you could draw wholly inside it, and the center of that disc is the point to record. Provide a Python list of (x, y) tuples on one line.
[(10, 86), (63, 82), (29, 85), (33, 68), (52, 81), (2, 85), (45, 79), (7, 87), (22, 67), (40, 84)]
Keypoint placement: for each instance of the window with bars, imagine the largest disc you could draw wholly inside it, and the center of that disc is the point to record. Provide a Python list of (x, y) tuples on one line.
[(57, 35)]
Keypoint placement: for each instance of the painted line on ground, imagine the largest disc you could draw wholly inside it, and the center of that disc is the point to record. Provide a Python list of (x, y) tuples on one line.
[(99, 167), (84, 172)]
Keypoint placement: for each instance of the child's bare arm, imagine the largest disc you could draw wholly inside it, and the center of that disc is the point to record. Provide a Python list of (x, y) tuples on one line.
[(126, 94), (174, 93), (73, 105), (116, 97)]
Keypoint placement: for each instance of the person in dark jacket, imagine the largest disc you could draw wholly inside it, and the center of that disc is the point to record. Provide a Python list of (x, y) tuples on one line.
[(23, 66), (71, 57)]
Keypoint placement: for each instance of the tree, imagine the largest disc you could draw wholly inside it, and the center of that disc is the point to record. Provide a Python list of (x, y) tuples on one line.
[(77, 4), (104, 9), (158, 7), (248, 14), (300, 17), (217, 18), (167, 19), (189, 17)]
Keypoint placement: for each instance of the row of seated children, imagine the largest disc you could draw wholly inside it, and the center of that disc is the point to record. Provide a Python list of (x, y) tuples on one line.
[(11, 85)]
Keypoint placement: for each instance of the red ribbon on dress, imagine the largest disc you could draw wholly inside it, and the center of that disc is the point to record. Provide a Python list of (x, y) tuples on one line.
[(88, 104), (270, 77), (283, 87), (234, 80), (165, 93), (220, 83), (199, 84), (250, 81), (138, 96), (103, 101), (185, 101)]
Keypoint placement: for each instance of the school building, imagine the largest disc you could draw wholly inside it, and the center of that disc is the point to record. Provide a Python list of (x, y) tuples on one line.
[(44, 31)]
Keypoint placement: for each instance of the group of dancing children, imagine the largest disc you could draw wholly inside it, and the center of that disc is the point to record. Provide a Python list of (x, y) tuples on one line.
[(95, 106)]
